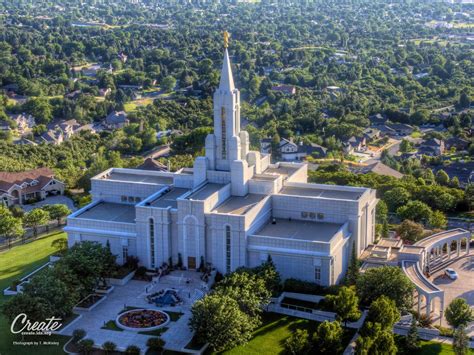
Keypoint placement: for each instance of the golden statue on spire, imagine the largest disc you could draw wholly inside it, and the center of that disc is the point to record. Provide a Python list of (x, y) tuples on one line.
[(226, 39)]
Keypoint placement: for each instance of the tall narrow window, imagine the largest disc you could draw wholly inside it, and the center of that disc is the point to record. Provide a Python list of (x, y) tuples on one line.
[(152, 242), (317, 275), (227, 249), (124, 253), (223, 133)]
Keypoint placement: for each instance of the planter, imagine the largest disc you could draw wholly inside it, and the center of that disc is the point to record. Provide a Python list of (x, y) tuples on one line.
[(89, 303), (142, 320), (104, 291), (122, 281)]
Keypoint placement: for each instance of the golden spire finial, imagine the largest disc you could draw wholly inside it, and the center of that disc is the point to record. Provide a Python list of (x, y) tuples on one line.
[(226, 39)]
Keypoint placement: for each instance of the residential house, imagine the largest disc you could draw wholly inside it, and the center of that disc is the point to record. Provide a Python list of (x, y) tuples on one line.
[(395, 129), (355, 144), (291, 151), (285, 89), (24, 122), (432, 147), (31, 185), (116, 119), (371, 134), (104, 92), (457, 143), (378, 168), (151, 164), (53, 136), (69, 127)]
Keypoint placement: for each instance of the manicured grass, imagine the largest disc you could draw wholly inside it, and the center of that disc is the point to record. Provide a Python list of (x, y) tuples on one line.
[(156, 332), (271, 336), (435, 348), (129, 106), (14, 264), (110, 325), (174, 316)]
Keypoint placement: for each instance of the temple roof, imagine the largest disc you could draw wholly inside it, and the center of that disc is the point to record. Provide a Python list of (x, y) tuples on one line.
[(227, 81)]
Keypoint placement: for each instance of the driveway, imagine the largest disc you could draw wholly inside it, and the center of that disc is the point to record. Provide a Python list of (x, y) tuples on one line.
[(53, 200), (463, 287)]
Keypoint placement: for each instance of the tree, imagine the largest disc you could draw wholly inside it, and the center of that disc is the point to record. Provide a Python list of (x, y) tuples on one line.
[(442, 178), (458, 313), (469, 195), (86, 346), (353, 269), (57, 211), (10, 226), (415, 210), (60, 245), (218, 320), (298, 343), (406, 146), (396, 197), (460, 341), (345, 304), (248, 290), (410, 231), (41, 109), (374, 339), (132, 350), (438, 220), (383, 311), (385, 230), (78, 334), (327, 338), (168, 83), (381, 212), (36, 218), (412, 340), (109, 347), (156, 344), (386, 280)]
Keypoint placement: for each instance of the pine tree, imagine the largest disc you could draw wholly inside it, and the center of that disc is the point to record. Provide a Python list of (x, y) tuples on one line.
[(385, 230), (353, 269), (412, 340)]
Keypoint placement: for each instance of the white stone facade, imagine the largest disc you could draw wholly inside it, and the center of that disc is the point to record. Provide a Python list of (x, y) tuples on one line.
[(232, 209)]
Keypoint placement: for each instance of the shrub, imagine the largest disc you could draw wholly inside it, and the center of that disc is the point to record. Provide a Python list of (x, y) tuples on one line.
[(444, 331), (132, 350), (86, 346), (298, 343), (78, 334), (424, 321), (155, 344), (141, 271), (109, 347), (132, 262)]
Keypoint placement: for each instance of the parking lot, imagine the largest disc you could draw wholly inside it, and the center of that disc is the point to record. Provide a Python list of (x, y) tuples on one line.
[(463, 287)]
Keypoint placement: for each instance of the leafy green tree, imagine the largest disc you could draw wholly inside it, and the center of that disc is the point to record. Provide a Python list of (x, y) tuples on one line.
[(132, 350), (469, 195), (442, 178), (298, 343), (396, 197), (36, 218), (406, 146), (374, 339), (155, 343), (381, 212), (460, 341), (438, 220), (10, 226), (41, 109), (383, 311), (57, 211), (60, 245), (415, 210), (86, 346), (385, 230), (168, 83), (248, 290), (458, 313), (386, 280), (327, 338), (218, 320), (345, 304), (410, 231), (109, 347)]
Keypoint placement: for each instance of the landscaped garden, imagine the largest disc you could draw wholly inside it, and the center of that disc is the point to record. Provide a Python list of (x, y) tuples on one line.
[(14, 264), (145, 319)]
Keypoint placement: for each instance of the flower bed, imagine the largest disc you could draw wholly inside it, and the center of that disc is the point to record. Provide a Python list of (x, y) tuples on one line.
[(142, 319)]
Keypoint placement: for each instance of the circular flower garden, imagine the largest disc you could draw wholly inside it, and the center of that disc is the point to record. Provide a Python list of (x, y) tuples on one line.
[(142, 319)]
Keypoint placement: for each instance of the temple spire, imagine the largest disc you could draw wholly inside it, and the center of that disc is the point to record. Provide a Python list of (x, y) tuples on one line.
[(227, 81)]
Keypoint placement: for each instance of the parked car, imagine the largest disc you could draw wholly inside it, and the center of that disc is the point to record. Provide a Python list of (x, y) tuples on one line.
[(453, 275)]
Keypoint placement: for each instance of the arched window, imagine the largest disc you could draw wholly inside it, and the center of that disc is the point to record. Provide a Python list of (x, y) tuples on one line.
[(227, 249), (152, 241)]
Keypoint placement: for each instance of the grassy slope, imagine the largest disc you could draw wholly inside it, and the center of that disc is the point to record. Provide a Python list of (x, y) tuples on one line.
[(14, 264)]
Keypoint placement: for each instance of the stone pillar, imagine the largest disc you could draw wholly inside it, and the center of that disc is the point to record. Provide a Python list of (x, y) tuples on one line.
[(458, 247), (428, 306)]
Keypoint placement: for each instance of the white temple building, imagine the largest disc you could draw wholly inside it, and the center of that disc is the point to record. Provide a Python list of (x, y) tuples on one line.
[(234, 208)]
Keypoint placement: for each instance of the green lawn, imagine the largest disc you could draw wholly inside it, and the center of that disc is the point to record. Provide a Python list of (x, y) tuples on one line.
[(270, 337), (14, 264)]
